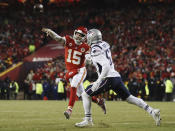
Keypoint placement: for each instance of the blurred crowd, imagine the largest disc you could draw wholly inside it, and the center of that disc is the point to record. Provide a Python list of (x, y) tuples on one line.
[(49, 76), (19, 36), (142, 40)]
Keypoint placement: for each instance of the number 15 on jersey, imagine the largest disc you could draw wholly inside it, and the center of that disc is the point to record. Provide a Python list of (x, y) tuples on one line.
[(74, 57)]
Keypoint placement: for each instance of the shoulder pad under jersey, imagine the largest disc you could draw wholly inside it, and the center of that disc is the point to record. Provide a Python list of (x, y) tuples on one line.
[(104, 45), (96, 50)]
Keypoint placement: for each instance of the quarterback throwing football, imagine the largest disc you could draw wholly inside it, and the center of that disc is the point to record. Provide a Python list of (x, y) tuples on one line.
[(75, 51)]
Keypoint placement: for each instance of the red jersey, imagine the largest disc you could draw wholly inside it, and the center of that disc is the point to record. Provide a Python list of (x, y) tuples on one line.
[(74, 54)]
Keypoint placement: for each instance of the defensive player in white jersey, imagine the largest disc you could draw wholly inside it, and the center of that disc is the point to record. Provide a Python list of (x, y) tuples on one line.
[(108, 78)]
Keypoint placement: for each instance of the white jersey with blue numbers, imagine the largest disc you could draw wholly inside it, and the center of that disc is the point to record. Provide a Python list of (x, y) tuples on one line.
[(101, 57)]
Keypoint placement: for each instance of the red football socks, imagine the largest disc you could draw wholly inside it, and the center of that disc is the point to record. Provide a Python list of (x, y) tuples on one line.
[(73, 96)]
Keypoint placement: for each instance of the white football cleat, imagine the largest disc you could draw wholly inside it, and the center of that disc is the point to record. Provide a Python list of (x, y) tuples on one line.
[(85, 123), (68, 113), (156, 116)]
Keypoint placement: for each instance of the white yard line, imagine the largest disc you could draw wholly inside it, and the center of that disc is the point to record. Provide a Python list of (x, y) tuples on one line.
[(140, 123)]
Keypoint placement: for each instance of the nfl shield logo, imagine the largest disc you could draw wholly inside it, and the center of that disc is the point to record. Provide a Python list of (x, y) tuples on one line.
[(70, 44), (82, 49)]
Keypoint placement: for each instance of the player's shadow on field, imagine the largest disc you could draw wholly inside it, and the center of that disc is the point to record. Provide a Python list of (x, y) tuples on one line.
[(102, 125)]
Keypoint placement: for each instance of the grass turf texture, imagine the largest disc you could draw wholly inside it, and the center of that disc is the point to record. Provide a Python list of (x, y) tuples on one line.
[(48, 116)]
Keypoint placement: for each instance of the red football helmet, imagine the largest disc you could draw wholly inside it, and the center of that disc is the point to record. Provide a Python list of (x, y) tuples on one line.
[(80, 35)]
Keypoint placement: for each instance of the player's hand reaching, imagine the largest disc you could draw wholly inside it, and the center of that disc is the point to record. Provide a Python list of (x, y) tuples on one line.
[(47, 31), (95, 86), (88, 59)]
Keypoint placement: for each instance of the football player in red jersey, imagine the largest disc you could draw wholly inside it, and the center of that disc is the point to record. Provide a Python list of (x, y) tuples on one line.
[(75, 51)]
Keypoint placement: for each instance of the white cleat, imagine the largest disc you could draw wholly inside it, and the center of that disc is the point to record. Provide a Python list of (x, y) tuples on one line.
[(85, 123), (156, 116), (68, 113)]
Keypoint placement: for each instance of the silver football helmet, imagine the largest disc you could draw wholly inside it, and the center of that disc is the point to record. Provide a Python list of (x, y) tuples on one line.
[(93, 36)]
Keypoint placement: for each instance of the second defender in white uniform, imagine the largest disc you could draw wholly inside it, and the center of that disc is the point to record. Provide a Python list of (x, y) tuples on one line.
[(108, 78)]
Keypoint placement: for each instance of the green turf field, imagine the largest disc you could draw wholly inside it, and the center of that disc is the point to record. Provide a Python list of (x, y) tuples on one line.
[(48, 116)]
